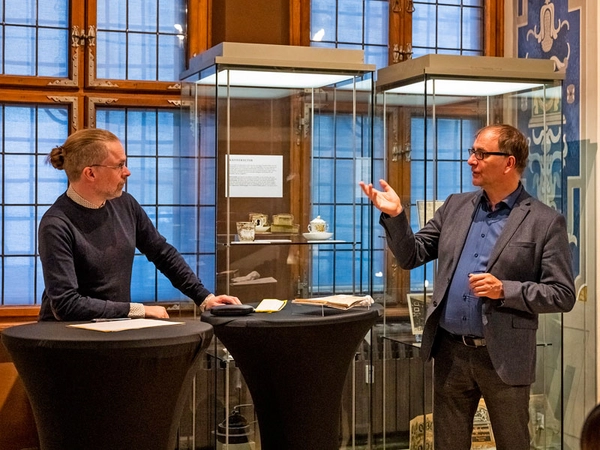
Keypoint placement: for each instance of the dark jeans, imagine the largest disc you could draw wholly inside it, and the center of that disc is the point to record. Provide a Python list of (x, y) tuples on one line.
[(461, 376)]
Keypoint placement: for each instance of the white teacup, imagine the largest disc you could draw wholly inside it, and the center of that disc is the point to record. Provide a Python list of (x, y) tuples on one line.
[(318, 225)]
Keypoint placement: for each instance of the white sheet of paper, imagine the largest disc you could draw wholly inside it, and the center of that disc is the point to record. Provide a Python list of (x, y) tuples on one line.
[(122, 325), (270, 305), (254, 176)]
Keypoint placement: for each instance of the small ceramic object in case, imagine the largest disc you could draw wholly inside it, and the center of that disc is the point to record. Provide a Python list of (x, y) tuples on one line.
[(317, 225)]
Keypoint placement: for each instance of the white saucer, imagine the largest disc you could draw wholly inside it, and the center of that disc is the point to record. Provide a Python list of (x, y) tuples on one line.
[(262, 229), (317, 236)]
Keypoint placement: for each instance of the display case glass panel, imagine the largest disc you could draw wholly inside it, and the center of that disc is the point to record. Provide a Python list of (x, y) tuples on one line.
[(283, 134)]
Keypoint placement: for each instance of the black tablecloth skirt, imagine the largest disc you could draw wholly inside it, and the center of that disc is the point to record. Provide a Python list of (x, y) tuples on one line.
[(295, 363), (95, 390)]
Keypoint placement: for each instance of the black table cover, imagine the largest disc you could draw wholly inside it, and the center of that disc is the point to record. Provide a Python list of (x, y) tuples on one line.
[(295, 363), (119, 390)]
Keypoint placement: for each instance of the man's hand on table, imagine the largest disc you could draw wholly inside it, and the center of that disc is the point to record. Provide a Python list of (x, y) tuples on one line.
[(214, 300), (155, 312)]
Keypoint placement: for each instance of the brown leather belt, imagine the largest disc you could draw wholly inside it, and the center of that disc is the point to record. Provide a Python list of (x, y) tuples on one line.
[(469, 341)]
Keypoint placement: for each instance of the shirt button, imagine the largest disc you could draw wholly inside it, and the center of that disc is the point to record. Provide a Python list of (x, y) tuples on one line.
[(464, 297), (482, 235), (476, 255)]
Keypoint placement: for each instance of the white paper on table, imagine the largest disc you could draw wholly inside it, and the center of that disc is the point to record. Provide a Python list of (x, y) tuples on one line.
[(122, 325)]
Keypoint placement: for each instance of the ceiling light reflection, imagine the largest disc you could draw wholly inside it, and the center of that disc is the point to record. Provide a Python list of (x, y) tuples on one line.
[(473, 88), (252, 78)]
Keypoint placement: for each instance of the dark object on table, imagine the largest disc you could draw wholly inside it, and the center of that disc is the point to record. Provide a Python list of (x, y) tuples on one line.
[(231, 310)]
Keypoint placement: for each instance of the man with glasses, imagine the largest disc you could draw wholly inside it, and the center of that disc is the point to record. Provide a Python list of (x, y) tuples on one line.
[(503, 258), (88, 237)]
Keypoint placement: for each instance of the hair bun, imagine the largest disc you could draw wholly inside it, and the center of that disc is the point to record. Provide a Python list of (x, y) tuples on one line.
[(57, 157)]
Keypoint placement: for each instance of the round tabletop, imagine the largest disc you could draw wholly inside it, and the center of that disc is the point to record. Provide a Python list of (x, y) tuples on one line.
[(295, 315), (61, 335)]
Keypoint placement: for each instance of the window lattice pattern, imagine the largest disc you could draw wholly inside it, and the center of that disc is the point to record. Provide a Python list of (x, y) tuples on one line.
[(448, 26), (28, 187), (353, 24), (34, 37), (439, 26), (164, 180), (141, 40), (335, 196), (435, 177)]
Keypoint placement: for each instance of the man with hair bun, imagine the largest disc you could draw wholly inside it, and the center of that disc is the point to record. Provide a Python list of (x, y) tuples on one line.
[(88, 237)]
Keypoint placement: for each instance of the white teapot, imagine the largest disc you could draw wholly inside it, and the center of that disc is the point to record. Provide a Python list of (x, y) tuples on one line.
[(318, 225)]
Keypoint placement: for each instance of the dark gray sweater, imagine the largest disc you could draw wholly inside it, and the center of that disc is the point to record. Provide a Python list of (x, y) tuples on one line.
[(87, 257)]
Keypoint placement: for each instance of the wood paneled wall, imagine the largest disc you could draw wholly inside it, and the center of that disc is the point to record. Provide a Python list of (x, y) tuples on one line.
[(17, 425)]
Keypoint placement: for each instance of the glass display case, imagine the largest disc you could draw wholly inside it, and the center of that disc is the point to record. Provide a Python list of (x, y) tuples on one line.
[(283, 136), (279, 137), (430, 109)]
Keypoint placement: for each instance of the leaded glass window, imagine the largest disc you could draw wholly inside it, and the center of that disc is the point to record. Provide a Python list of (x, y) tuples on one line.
[(141, 40), (438, 26), (77, 45), (356, 24), (448, 26), (164, 179), (34, 37), (28, 187)]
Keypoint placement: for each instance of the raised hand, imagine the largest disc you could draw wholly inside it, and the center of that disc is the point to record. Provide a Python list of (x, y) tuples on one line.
[(386, 200)]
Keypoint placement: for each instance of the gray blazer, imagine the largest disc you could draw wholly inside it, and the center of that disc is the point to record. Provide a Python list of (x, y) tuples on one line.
[(532, 258)]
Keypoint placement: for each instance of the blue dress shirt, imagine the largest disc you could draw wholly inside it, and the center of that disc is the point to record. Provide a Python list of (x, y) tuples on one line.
[(462, 309)]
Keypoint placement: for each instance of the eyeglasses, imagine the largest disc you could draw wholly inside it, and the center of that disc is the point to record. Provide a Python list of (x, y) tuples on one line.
[(117, 167), (481, 155)]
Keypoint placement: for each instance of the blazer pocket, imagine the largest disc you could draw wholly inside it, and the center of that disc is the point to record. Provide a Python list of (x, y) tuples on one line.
[(517, 261), (523, 244), (530, 323)]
